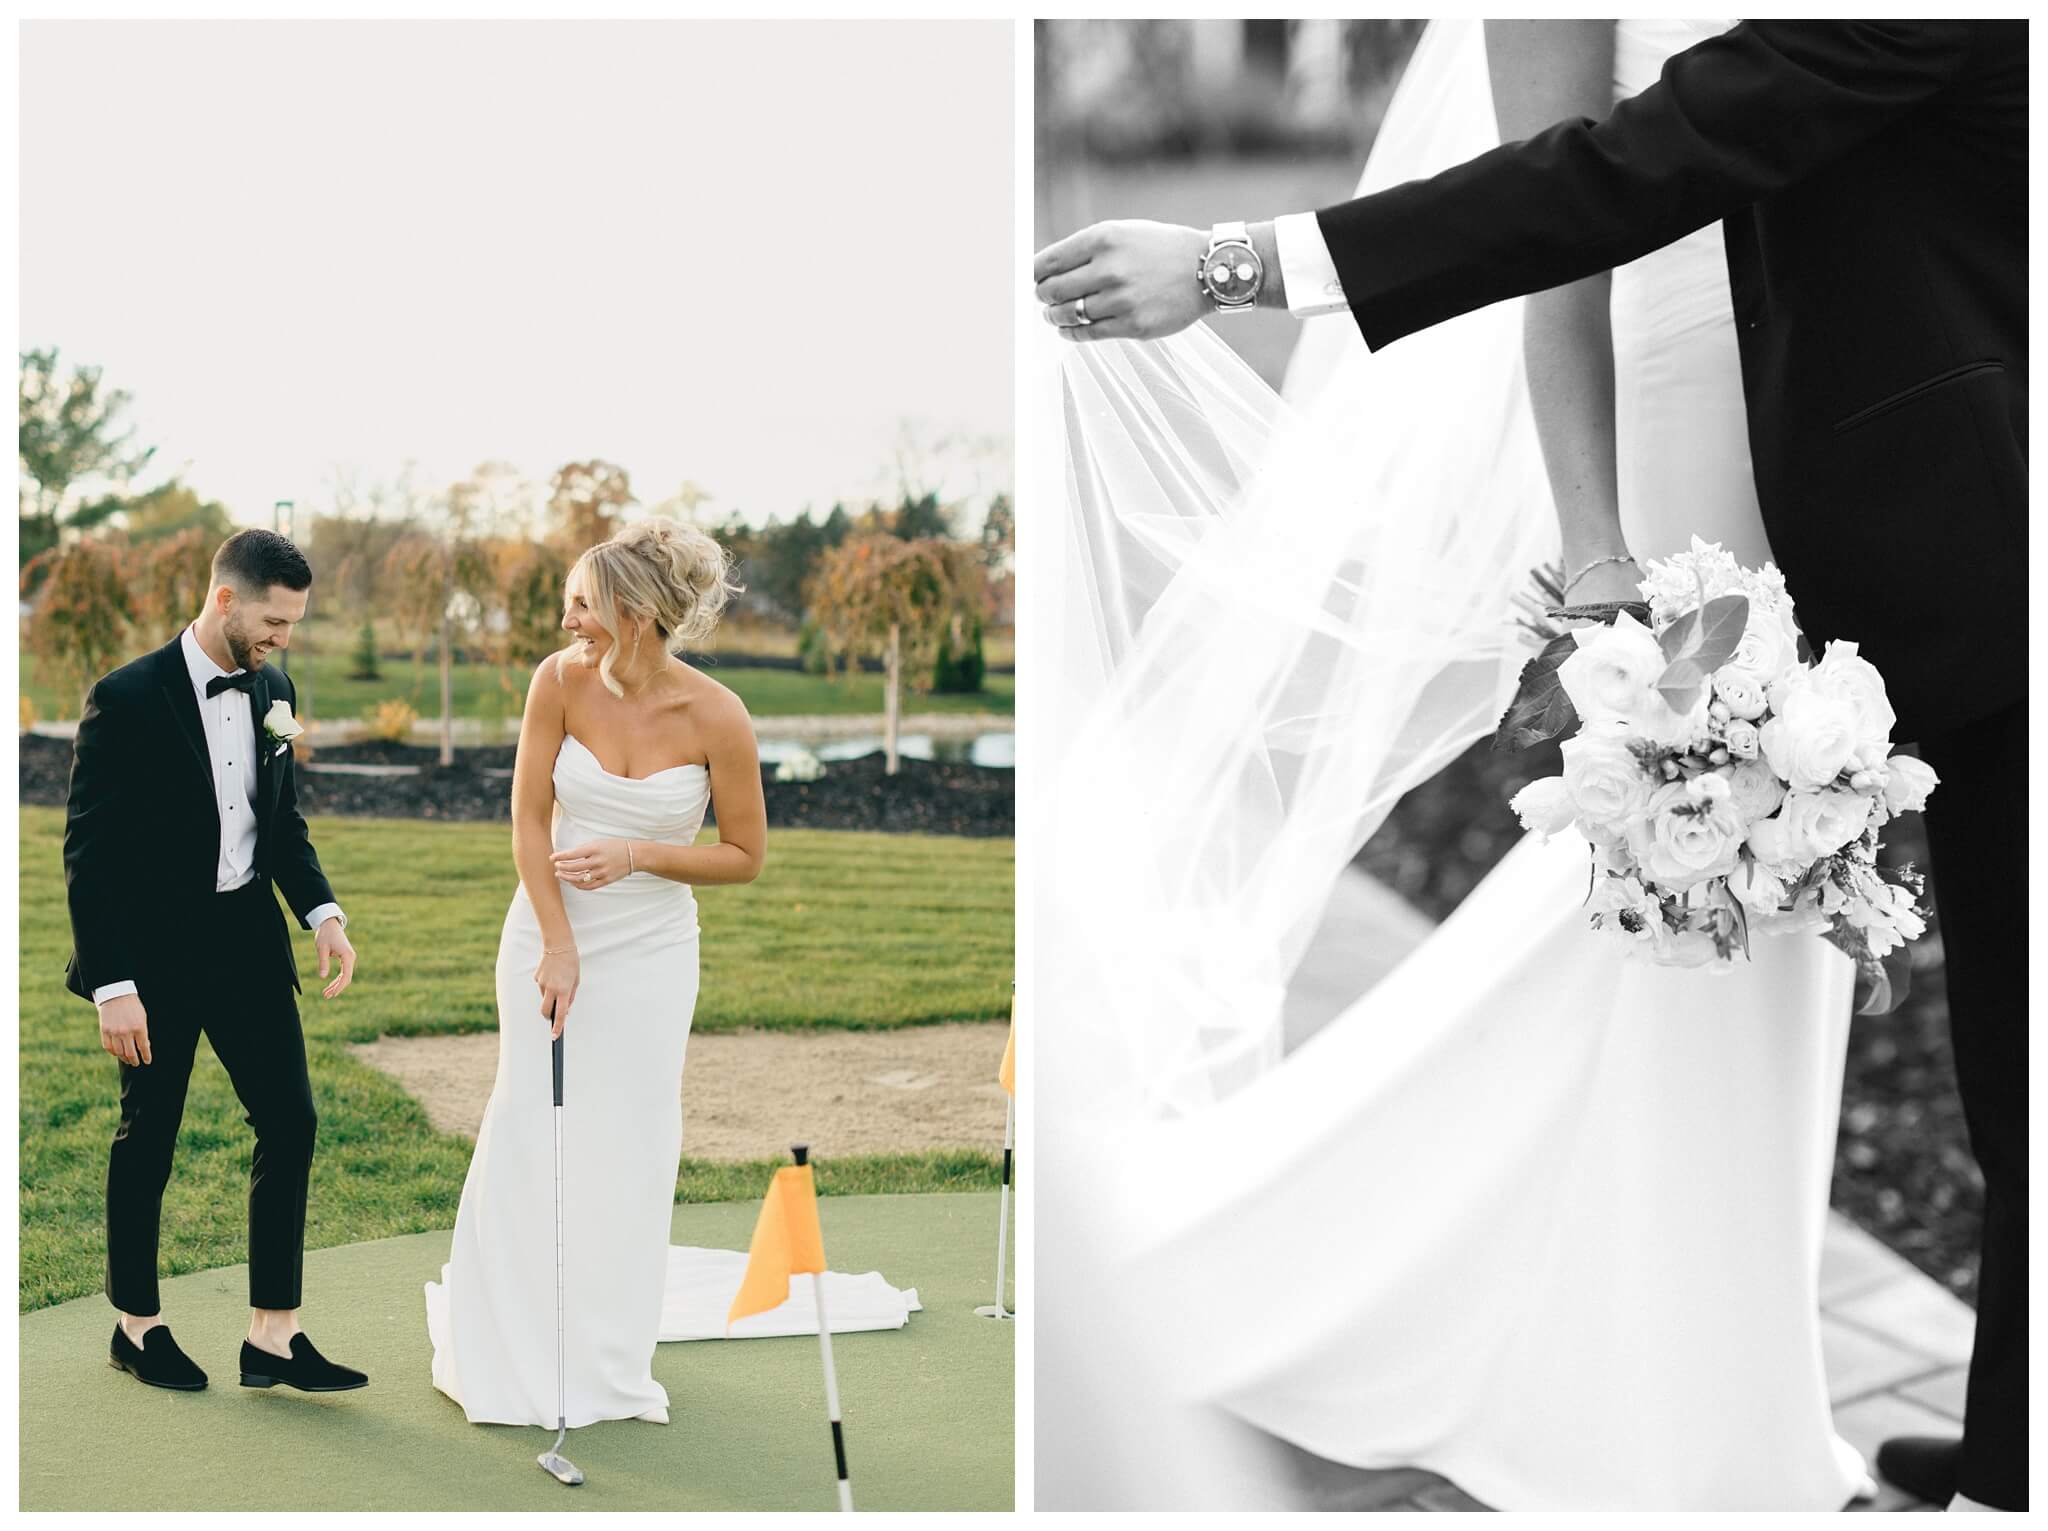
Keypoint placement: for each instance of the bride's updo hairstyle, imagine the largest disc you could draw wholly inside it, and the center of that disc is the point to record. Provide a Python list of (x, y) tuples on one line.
[(657, 571)]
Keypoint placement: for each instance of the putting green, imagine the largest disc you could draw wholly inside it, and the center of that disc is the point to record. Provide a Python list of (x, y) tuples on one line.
[(928, 1408)]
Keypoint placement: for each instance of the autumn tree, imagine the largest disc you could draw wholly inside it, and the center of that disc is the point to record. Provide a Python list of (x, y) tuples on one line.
[(585, 502), (70, 438), (78, 629), (170, 580), (435, 579), (881, 594)]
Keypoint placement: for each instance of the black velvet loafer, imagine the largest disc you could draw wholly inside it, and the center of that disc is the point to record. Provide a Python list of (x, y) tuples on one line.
[(157, 1360), (305, 1369), (1923, 1465)]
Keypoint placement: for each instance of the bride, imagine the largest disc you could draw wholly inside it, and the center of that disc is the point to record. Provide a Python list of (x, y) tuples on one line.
[(1529, 1215), (622, 748)]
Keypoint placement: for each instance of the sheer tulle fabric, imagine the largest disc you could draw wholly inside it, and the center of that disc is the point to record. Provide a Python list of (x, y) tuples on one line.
[(1278, 619)]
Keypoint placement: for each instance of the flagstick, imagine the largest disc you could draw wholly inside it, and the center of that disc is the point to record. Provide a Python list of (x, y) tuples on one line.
[(996, 1308), (802, 1153)]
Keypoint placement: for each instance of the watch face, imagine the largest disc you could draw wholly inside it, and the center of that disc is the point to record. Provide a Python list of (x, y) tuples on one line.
[(1231, 273)]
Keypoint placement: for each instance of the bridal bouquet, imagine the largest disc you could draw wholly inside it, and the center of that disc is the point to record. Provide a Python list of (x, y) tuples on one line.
[(1727, 784)]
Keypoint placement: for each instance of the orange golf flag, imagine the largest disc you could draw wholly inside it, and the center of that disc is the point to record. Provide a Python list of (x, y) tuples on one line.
[(1007, 1074), (787, 1240)]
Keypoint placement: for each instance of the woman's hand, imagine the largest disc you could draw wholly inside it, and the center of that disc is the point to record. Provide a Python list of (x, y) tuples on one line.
[(557, 977), (593, 864)]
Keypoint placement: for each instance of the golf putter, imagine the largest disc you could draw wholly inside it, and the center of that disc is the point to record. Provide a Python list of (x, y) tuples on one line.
[(552, 1461)]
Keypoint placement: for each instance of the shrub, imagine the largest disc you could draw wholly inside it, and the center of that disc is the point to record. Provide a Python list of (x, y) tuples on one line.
[(391, 720), (812, 649), (959, 674), (366, 654)]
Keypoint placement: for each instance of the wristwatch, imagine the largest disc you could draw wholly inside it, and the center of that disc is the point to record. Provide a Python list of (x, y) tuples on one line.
[(1231, 272)]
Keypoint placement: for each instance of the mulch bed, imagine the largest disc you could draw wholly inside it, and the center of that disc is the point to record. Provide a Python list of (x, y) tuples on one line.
[(924, 797), (1903, 1170)]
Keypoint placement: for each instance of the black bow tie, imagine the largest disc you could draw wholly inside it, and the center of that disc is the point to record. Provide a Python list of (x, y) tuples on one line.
[(243, 681)]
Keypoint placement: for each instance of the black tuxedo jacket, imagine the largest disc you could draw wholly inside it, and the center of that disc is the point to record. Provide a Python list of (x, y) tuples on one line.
[(142, 833), (1871, 180)]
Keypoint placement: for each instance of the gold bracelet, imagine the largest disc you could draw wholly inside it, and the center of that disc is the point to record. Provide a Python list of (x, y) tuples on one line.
[(630, 868), (558, 951)]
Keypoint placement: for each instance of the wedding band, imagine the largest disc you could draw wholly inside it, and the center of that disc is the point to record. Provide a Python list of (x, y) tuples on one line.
[(1081, 311)]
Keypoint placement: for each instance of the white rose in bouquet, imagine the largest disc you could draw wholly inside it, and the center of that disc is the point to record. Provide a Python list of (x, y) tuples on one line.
[(1842, 673), (1814, 735), (1817, 824), (1606, 782), (1660, 723), (1742, 691), (1744, 742), (1768, 647), (1545, 806), (1689, 833), (1610, 673), (1907, 783)]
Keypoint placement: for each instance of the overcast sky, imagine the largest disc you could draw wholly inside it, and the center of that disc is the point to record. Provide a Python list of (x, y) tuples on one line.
[(733, 253)]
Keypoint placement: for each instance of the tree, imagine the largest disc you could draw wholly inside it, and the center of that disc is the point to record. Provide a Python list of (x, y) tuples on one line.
[(79, 628), (170, 509), (883, 594), (998, 533), (366, 654), (529, 580), (922, 516), (170, 579), (68, 439), (436, 578), (586, 500)]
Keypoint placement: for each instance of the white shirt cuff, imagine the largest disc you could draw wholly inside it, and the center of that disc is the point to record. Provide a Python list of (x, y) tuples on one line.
[(325, 913), (1313, 286), (107, 991)]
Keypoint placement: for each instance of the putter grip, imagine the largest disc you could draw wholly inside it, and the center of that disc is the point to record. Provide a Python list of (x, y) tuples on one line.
[(558, 1071)]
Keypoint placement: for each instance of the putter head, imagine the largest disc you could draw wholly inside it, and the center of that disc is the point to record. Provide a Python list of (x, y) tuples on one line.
[(560, 1468)]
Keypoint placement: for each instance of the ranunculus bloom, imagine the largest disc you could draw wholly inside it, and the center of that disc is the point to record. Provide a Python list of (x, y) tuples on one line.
[(1841, 673), (1907, 784), (1680, 840), (1606, 781), (1742, 691), (1814, 734), (1818, 824), (1609, 675), (1755, 788), (1545, 806)]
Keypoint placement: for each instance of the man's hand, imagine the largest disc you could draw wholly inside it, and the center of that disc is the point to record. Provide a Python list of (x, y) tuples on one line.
[(124, 1028), (333, 947), (1130, 279)]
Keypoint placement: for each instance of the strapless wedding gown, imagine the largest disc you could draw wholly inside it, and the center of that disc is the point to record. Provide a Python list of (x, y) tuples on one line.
[(491, 1317), (1542, 1219)]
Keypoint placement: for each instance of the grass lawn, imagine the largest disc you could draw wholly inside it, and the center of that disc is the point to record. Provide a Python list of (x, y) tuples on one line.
[(484, 692), (842, 930)]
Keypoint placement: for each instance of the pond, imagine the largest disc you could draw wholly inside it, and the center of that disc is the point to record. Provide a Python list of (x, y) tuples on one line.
[(991, 748)]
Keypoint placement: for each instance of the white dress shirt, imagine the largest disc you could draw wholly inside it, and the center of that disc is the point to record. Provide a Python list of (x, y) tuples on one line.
[(1313, 286), (231, 745)]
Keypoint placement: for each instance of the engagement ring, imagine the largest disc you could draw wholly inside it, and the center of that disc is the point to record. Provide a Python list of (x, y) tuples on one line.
[(1081, 311)]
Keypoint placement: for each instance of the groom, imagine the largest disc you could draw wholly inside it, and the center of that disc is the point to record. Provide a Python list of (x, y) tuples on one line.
[(1871, 183), (182, 813)]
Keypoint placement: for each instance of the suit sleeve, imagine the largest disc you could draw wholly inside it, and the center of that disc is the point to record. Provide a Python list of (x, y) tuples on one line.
[(1733, 119), (97, 814), (293, 864)]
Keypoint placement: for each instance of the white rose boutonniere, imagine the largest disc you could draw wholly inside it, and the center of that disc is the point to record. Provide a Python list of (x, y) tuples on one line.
[(280, 727)]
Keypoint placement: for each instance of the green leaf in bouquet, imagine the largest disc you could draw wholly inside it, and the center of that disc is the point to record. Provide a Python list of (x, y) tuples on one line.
[(1540, 710), (1603, 612), (1698, 644)]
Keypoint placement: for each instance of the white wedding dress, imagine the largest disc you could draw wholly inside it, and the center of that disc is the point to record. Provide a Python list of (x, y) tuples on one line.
[(491, 1317), (1539, 1218)]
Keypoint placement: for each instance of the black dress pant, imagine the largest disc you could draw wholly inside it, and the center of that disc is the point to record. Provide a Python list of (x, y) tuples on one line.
[(1977, 841), (248, 1013)]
